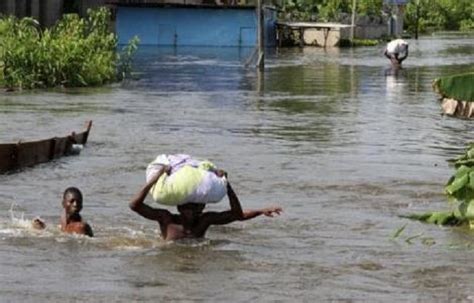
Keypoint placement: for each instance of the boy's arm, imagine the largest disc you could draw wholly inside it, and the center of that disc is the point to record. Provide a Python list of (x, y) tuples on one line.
[(236, 213), (144, 210)]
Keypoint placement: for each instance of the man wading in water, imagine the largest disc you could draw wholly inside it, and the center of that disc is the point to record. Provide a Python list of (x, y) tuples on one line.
[(397, 52), (192, 222)]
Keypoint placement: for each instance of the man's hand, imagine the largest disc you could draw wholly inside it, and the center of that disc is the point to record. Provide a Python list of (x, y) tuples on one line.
[(164, 169), (137, 204), (220, 173), (272, 211)]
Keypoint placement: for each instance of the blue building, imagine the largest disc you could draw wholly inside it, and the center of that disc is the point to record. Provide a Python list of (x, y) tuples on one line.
[(190, 25)]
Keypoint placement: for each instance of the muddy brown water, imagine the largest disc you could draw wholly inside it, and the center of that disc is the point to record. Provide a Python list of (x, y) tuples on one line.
[(335, 137)]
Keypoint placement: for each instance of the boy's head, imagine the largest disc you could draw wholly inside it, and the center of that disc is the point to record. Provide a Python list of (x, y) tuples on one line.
[(191, 210), (72, 201)]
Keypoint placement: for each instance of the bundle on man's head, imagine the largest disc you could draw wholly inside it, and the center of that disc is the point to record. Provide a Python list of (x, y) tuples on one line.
[(190, 180), (397, 46)]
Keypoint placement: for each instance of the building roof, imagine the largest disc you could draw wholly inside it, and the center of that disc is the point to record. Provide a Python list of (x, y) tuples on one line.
[(175, 3)]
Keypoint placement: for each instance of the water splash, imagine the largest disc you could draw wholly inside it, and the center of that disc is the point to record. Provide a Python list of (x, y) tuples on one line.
[(18, 225)]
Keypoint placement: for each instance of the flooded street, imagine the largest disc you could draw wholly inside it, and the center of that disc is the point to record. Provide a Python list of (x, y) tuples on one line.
[(336, 138)]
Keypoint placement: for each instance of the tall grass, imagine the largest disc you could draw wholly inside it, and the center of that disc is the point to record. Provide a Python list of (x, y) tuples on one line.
[(75, 52)]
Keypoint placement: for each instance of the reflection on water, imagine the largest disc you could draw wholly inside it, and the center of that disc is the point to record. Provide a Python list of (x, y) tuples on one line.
[(342, 142)]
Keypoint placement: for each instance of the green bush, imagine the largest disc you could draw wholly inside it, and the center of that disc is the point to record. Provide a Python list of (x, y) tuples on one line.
[(432, 14), (75, 52), (467, 25), (326, 10), (439, 15)]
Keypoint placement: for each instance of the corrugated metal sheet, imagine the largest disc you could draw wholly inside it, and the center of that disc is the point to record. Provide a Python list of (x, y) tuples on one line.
[(186, 26)]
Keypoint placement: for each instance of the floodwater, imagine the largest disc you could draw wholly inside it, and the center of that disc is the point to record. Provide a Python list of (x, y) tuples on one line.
[(333, 136)]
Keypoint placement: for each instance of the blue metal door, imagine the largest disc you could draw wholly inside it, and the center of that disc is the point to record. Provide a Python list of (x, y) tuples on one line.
[(248, 36)]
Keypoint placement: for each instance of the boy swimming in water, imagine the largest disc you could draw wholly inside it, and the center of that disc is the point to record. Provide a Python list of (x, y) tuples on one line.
[(192, 222), (71, 220)]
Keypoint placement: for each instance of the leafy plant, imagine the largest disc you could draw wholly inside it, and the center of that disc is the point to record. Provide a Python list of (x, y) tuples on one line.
[(428, 14), (457, 86), (126, 58), (75, 52), (301, 10), (460, 187), (460, 193), (327, 10)]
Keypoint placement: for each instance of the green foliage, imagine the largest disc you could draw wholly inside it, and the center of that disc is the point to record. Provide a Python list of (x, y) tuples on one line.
[(440, 15), (458, 87), (126, 58), (369, 7), (464, 159), (433, 14), (399, 231), (301, 10), (460, 191), (327, 10), (467, 25), (460, 187), (438, 218), (75, 52)]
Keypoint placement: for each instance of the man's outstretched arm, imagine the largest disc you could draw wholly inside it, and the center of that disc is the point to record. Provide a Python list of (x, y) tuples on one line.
[(268, 211), (144, 210), (236, 213)]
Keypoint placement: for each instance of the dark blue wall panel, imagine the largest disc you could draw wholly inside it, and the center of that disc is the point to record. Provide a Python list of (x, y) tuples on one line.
[(190, 26)]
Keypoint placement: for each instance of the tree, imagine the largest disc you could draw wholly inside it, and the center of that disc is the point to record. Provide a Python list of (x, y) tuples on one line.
[(439, 15)]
